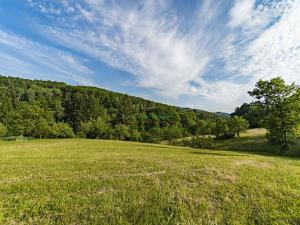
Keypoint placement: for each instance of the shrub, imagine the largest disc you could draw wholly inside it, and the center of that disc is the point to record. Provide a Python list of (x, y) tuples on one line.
[(171, 132), (154, 135), (135, 135), (3, 130), (97, 128), (201, 142), (121, 132), (17, 138), (237, 125), (62, 130)]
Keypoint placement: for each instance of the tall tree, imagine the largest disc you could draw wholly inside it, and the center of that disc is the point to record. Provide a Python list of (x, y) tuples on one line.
[(237, 125), (281, 105), (220, 129), (251, 113)]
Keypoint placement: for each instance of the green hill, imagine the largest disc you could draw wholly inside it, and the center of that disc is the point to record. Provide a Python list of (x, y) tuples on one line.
[(46, 109)]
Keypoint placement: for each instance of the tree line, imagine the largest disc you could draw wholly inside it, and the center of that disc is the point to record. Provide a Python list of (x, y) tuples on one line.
[(45, 109)]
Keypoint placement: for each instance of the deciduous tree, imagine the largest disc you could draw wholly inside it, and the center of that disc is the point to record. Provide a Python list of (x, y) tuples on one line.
[(281, 105)]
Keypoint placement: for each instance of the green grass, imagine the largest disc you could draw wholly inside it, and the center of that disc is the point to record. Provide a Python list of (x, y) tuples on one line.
[(255, 141), (109, 182), (251, 141)]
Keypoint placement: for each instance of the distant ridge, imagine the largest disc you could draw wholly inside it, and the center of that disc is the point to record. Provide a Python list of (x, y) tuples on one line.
[(222, 114)]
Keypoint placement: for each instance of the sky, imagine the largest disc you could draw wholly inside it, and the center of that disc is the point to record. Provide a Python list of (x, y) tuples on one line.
[(203, 54)]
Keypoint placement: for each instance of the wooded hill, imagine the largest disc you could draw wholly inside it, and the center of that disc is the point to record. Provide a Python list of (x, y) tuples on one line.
[(46, 109)]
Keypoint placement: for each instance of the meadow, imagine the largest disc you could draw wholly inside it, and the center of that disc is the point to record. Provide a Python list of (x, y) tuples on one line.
[(254, 140), (251, 141), (79, 181)]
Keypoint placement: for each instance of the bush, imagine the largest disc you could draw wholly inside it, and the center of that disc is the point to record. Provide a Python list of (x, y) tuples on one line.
[(42, 129), (17, 138), (121, 132), (84, 129), (135, 135), (3, 130), (225, 136), (62, 130), (95, 129), (201, 142), (171, 132), (237, 125), (297, 132), (154, 135)]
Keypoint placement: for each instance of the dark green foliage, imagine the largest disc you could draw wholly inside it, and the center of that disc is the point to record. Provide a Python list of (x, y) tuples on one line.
[(62, 130), (221, 129), (3, 130), (135, 135), (95, 128), (44, 109), (200, 142), (154, 135), (204, 127), (29, 120), (250, 112), (237, 125), (122, 132), (281, 106), (171, 132)]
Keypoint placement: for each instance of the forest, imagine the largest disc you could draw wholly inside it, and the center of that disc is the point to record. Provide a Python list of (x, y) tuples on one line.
[(46, 109)]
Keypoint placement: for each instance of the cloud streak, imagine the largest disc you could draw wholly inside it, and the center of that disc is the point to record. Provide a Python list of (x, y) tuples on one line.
[(267, 44), (27, 58), (147, 41), (214, 52)]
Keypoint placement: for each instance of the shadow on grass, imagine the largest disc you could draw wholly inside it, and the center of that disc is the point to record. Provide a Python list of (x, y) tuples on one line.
[(243, 146), (253, 145), (257, 146), (214, 152), (195, 151), (162, 146)]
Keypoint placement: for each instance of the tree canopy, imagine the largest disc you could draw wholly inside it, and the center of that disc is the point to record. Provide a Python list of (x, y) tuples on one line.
[(45, 109), (280, 103)]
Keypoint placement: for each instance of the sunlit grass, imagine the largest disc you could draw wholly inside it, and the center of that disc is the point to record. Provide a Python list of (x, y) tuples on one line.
[(111, 182), (255, 141)]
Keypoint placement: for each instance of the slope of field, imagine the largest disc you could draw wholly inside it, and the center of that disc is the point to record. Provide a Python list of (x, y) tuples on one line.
[(251, 141), (109, 182), (254, 140)]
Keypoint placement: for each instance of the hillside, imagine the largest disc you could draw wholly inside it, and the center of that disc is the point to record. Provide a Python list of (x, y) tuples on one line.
[(110, 182), (252, 140), (45, 109)]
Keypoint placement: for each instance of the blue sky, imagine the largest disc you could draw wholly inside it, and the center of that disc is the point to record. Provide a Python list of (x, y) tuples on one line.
[(199, 53)]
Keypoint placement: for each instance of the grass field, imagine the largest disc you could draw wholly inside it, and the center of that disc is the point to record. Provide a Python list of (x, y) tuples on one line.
[(109, 182), (254, 140)]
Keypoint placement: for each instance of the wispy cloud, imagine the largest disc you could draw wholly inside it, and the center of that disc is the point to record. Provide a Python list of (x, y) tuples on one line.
[(147, 41), (267, 43), (24, 57), (216, 51)]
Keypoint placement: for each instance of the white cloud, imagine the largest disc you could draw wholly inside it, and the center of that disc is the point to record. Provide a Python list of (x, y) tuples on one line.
[(273, 51), (173, 56), (241, 12), (20, 56), (146, 40)]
